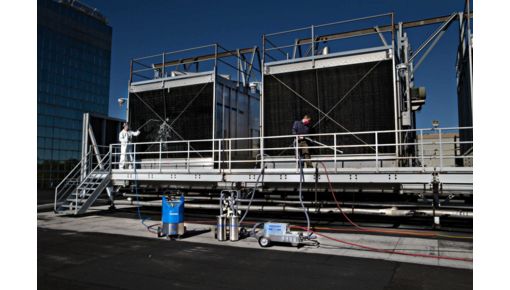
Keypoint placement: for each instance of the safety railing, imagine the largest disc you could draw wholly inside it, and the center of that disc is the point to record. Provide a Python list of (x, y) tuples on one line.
[(379, 155), (96, 176), (72, 180), (194, 61), (80, 172), (315, 39)]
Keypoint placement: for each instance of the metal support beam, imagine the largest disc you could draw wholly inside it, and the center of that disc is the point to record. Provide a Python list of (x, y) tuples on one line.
[(204, 57), (429, 49), (381, 35), (95, 148), (444, 26), (84, 144), (386, 28)]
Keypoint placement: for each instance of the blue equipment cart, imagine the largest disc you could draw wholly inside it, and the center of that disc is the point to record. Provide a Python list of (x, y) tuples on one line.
[(172, 218)]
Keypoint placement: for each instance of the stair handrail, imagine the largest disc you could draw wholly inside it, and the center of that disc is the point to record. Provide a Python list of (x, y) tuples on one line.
[(65, 181), (93, 172)]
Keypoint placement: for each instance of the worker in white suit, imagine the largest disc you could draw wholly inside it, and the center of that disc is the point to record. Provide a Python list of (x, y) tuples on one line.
[(125, 138)]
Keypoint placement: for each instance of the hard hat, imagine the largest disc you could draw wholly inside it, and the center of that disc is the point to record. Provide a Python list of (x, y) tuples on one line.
[(126, 124)]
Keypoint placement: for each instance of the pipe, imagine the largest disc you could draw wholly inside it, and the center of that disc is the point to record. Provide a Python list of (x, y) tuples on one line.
[(47, 206), (331, 210), (451, 204), (52, 205)]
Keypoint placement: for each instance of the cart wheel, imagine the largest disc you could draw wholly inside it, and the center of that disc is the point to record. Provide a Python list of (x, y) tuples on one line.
[(294, 244), (264, 242), (216, 233), (185, 230), (160, 234)]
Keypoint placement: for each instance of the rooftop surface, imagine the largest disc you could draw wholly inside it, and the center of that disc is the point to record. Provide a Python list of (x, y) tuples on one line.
[(112, 249)]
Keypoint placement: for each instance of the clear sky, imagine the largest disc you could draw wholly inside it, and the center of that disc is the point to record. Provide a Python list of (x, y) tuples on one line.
[(143, 28)]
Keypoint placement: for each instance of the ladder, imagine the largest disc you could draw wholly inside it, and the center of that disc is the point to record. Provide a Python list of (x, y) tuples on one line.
[(78, 195)]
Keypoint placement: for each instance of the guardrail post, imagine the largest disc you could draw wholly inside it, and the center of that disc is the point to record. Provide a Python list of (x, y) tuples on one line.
[(134, 156), (313, 47), (90, 160), (421, 145), (160, 160), (376, 153), (110, 159), (230, 155), (219, 155), (440, 150), (189, 169), (296, 145), (336, 165), (334, 144)]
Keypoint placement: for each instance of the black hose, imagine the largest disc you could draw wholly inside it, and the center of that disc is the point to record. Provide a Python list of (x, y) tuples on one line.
[(252, 195), (253, 234), (301, 179), (221, 204)]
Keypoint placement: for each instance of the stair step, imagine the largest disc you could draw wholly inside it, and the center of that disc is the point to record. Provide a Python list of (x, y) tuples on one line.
[(66, 211), (73, 206), (74, 200), (86, 188), (86, 194)]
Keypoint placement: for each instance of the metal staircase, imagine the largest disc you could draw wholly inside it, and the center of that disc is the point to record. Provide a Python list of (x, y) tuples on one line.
[(83, 185)]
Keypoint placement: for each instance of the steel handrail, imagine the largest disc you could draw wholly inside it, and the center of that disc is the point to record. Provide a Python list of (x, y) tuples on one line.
[(66, 183), (419, 155), (93, 179)]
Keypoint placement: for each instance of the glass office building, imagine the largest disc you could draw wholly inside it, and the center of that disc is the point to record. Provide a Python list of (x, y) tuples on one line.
[(73, 77)]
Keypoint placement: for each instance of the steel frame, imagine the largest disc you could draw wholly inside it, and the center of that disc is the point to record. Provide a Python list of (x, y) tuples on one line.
[(245, 63)]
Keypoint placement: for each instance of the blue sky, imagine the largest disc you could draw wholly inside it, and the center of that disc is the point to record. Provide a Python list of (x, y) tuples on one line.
[(143, 28)]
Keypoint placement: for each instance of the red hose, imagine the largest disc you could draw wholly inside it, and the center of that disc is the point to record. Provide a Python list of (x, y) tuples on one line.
[(387, 251), (149, 228), (356, 245), (426, 234)]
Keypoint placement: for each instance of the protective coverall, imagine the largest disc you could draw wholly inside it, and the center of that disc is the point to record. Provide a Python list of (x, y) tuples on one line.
[(125, 138)]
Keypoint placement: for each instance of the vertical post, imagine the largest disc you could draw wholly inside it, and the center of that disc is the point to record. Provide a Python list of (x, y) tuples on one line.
[(421, 145), (230, 155), (297, 153), (163, 67), (393, 26), (189, 158), (160, 160), (376, 152), (131, 73), (440, 150), (134, 156), (219, 155), (84, 142), (90, 167), (110, 161), (313, 48), (76, 202), (334, 144), (214, 101), (261, 105)]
